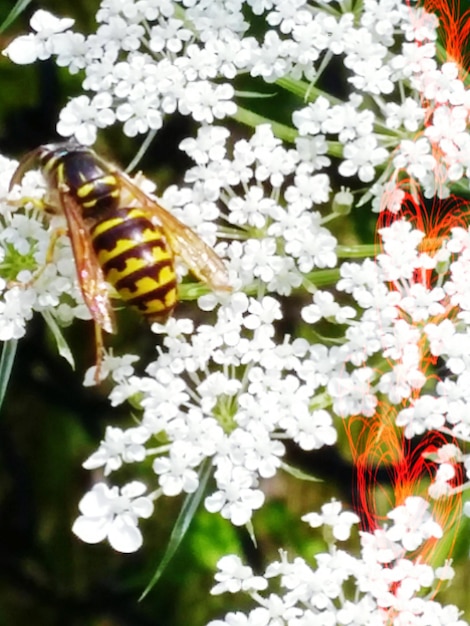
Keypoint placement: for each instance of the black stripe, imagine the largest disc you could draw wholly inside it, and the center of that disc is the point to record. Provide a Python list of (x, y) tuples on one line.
[(142, 251), (130, 281), (141, 302), (126, 229)]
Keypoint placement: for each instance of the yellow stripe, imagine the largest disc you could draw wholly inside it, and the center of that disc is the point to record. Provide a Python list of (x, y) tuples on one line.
[(157, 306), (153, 280)]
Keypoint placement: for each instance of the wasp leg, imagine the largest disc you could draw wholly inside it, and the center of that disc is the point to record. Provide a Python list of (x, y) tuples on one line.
[(99, 350), (38, 203), (57, 233)]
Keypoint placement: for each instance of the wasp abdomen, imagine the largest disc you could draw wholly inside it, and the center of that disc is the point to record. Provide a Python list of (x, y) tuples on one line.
[(137, 261), (101, 193)]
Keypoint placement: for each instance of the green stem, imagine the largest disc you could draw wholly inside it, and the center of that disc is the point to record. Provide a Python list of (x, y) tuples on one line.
[(359, 251), (305, 91), (244, 116), (254, 119), (141, 151), (322, 278)]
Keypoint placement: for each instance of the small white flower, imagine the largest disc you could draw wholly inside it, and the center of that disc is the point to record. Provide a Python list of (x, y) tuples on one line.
[(27, 48), (325, 306), (81, 117), (117, 448), (16, 309), (310, 429), (413, 524), (237, 497), (119, 32), (206, 102), (410, 114), (119, 368), (415, 157), (440, 485), (113, 514), (176, 471), (233, 576), (140, 112), (361, 156), (331, 515)]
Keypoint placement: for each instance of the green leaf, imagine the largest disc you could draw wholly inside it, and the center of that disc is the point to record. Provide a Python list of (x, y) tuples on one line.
[(62, 345), (297, 473), (251, 531), (6, 365), (188, 510), (254, 94), (16, 11)]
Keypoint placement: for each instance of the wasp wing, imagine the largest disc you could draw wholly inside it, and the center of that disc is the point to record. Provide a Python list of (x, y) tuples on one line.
[(195, 253), (90, 275), (185, 243)]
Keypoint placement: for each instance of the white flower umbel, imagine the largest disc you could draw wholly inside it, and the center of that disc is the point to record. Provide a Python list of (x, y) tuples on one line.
[(382, 585), (145, 61), (229, 386), (230, 391)]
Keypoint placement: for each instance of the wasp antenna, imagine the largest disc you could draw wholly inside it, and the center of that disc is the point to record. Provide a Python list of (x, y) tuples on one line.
[(24, 165)]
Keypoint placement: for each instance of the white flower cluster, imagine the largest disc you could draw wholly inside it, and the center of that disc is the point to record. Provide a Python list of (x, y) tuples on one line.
[(147, 59), (27, 282), (195, 394), (230, 393), (382, 586)]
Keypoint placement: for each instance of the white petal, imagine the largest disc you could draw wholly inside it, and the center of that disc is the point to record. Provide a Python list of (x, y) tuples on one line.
[(239, 514), (91, 530), (216, 501), (102, 100), (85, 134), (341, 531), (43, 20), (143, 507), (96, 503), (133, 489), (66, 130), (23, 50), (123, 536)]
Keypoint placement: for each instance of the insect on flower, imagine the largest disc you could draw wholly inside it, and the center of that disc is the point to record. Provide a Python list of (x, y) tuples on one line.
[(115, 239)]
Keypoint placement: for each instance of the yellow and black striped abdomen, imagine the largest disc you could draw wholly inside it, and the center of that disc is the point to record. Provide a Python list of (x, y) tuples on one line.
[(137, 261)]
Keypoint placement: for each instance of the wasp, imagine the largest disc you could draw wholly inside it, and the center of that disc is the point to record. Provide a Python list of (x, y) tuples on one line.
[(120, 235)]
